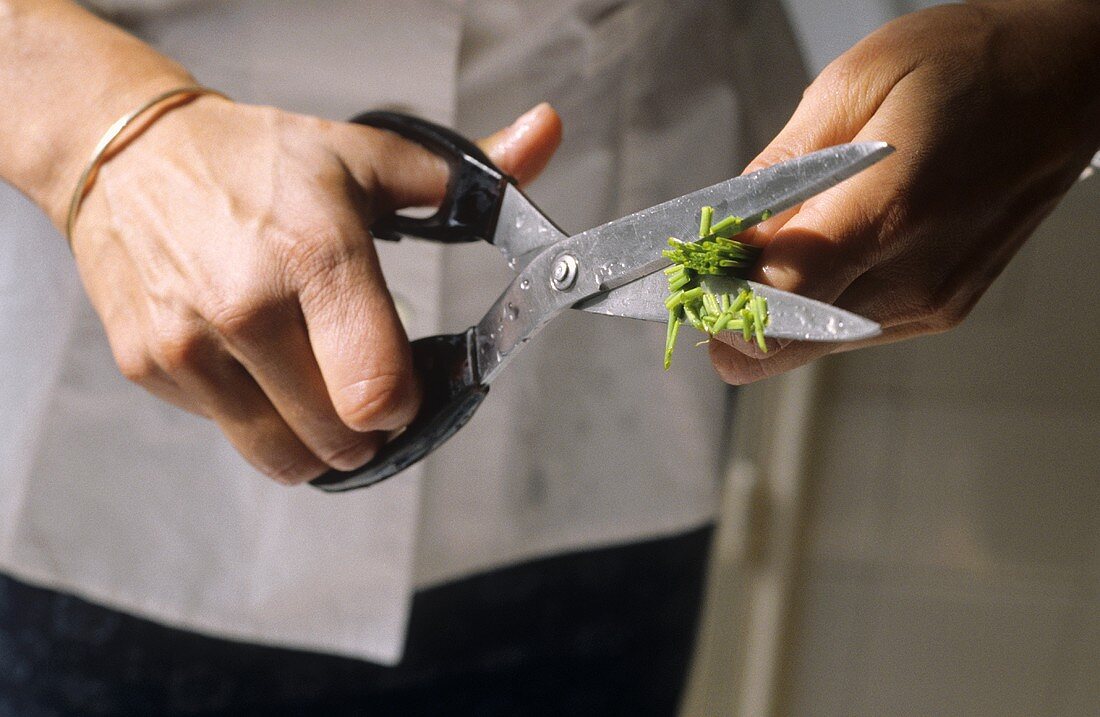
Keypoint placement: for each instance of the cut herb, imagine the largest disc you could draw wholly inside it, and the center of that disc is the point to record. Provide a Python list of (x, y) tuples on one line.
[(691, 301)]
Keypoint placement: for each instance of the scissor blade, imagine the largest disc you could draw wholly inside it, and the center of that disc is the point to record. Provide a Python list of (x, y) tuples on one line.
[(522, 230), (790, 316), (629, 248)]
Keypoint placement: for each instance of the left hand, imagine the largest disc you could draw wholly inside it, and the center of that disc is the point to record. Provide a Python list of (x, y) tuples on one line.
[(994, 109)]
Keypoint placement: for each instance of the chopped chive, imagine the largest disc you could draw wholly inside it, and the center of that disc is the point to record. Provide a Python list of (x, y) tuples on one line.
[(692, 294), (723, 225), (693, 318), (690, 299), (758, 322), (740, 301), (705, 215), (766, 215), (720, 324), (670, 336)]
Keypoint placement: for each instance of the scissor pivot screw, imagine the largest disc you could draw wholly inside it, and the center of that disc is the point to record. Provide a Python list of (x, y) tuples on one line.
[(564, 274)]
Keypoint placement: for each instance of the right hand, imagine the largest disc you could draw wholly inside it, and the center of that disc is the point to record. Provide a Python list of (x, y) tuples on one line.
[(227, 252)]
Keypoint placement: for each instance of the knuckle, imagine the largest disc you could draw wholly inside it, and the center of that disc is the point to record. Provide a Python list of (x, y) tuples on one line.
[(294, 471), (180, 346), (939, 312), (135, 364), (379, 402), (734, 367), (244, 312), (320, 253), (350, 456)]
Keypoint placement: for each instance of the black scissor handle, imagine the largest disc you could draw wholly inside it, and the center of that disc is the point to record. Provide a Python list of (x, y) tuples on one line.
[(475, 187), (451, 396), (446, 364)]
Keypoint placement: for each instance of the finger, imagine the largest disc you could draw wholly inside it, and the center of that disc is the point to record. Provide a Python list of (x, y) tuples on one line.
[(126, 324), (401, 173), (737, 368), (256, 429), (827, 243), (838, 103), (201, 367), (523, 148), (354, 333), (279, 356)]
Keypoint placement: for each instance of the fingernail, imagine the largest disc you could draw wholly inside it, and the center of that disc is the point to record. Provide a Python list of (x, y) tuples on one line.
[(525, 119), (784, 278)]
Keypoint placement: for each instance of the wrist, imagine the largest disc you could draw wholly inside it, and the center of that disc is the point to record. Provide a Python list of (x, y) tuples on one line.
[(54, 186), (65, 77)]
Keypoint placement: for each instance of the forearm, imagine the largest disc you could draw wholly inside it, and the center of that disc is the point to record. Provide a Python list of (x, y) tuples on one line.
[(65, 76)]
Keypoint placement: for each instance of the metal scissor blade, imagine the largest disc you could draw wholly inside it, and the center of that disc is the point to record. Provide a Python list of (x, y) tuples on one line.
[(629, 248), (790, 316), (522, 230)]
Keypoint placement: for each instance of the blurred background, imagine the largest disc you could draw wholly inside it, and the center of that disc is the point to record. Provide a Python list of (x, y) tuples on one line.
[(917, 528)]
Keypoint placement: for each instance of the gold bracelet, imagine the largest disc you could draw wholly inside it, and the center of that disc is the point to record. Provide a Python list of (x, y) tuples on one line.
[(111, 135)]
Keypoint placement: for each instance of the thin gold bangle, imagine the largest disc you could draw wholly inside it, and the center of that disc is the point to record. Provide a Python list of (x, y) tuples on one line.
[(111, 135)]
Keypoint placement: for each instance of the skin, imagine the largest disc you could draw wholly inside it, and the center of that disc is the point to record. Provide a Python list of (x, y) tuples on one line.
[(226, 249), (225, 246), (994, 109)]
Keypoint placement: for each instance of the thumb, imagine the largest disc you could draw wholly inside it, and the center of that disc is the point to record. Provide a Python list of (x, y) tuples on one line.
[(523, 148), (820, 247), (398, 173)]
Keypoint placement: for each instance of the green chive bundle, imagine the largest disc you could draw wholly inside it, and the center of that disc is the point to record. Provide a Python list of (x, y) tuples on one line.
[(691, 301)]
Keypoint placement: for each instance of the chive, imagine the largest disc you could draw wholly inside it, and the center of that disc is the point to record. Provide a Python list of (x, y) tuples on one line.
[(670, 337), (727, 227), (723, 225), (766, 215), (711, 303), (693, 318), (740, 301), (758, 322), (705, 215), (692, 294), (690, 299)]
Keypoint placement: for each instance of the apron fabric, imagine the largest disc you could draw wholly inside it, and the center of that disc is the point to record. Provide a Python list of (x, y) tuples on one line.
[(107, 494), (606, 632)]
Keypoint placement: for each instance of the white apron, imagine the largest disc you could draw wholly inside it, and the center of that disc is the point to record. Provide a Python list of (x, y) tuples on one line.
[(584, 441)]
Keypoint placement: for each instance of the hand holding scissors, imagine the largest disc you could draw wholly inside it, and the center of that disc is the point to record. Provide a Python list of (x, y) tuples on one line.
[(613, 269)]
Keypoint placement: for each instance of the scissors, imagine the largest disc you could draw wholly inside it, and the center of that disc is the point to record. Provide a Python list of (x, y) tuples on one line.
[(612, 269)]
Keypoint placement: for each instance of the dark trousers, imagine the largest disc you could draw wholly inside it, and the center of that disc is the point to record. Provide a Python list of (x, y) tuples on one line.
[(603, 632)]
